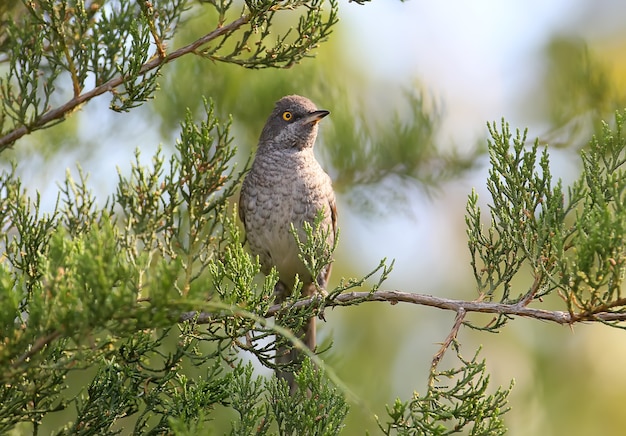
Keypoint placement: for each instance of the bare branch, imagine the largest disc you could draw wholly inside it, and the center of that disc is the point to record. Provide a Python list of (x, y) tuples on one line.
[(458, 322), (458, 306)]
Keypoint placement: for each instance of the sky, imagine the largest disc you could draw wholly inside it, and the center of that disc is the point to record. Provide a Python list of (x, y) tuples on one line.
[(479, 58)]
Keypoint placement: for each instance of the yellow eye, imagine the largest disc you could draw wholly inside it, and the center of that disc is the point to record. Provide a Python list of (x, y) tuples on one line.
[(287, 116)]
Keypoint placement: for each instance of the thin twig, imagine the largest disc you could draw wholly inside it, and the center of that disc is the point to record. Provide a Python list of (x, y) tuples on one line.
[(458, 322), (533, 290)]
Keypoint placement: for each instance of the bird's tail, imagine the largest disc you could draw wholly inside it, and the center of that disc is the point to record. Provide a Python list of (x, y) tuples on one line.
[(287, 356)]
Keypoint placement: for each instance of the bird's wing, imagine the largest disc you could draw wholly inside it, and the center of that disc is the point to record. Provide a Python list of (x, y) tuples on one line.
[(333, 215), (324, 275), (242, 215)]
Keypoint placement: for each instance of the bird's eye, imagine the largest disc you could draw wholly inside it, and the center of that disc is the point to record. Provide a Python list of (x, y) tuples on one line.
[(287, 116)]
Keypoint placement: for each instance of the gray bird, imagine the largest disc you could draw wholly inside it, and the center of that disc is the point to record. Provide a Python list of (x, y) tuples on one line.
[(286, 185)]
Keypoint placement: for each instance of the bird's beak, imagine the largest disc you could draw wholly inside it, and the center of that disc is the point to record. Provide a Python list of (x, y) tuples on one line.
[(315, 117)]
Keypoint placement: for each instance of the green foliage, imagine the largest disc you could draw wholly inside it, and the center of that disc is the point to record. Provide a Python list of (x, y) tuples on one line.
[(456, 402), (315, 408), (257, 48), (520, 184), (142, 380), (592, 275), (246, 396), (572, 240), (87, 43), (314, 252), (72, 277), (89, 287)]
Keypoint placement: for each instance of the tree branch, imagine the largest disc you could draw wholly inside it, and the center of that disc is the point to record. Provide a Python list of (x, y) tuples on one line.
[(58, 113), (458, 306), (458, 322)]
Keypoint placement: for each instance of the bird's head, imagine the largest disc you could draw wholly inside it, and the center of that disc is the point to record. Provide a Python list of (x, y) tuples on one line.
[(292, 123)]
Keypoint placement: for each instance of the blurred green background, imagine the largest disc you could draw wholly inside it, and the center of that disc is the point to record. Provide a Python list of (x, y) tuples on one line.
[(440, 71)]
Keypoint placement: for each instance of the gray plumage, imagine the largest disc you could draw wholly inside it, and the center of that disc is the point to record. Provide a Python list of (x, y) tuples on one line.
[(287, 185)]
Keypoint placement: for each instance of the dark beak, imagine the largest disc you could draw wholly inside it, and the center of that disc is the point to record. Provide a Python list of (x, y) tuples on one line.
[(315, 117)]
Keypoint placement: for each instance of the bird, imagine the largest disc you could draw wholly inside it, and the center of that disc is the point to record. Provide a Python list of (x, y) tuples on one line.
[(286, 186)]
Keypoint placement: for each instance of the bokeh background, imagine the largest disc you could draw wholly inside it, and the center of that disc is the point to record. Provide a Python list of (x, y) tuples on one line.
[(555, 67)]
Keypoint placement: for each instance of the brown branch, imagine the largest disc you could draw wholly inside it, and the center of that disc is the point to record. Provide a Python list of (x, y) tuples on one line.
[(59, 112), (461, 307), (394, 297), (458, 322)]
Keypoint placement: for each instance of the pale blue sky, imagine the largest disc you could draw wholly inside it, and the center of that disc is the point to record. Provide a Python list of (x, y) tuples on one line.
[(477, 56)]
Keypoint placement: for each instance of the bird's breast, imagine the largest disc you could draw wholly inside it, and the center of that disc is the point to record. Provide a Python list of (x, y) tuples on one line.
[(277, 194)]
